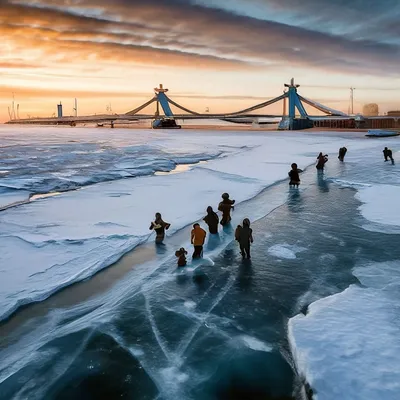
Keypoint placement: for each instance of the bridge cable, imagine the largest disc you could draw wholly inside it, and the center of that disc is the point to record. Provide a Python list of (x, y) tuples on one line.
[(136, 110)]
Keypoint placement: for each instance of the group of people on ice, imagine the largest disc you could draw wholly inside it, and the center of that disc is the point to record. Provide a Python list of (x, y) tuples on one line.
[(243, 233), (322, 159)]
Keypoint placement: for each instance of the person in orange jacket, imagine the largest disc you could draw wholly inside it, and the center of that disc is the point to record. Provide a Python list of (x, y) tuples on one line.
[(198, 237)]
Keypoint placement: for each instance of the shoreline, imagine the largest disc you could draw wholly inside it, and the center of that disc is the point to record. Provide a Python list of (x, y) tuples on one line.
[(230, 127)]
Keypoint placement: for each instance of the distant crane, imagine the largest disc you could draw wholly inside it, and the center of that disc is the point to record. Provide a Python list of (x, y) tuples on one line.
[(11, 112), (75, 109), (352, 99)]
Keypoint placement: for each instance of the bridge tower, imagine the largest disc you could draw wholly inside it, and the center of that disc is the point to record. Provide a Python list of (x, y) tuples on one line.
[(163, 100), (163, 122), (290, 122)]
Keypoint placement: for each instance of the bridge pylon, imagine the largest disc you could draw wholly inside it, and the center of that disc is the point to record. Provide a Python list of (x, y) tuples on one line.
[(290, 122)]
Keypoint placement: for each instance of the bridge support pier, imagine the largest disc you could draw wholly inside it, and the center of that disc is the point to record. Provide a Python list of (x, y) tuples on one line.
[(294, 124)]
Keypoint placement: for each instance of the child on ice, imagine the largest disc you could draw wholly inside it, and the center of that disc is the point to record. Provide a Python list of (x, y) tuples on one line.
[(181, 254)]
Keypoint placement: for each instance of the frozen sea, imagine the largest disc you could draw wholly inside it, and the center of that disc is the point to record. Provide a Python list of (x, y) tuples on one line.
[(92, 309)]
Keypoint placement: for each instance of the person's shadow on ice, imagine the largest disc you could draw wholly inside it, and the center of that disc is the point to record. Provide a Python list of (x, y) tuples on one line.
[(294, 201), (323, 184), (161, 248), (214, 241), (245, 276)]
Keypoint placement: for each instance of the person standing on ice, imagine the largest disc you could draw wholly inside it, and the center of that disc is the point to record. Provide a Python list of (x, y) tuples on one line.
[(387, 153), (321, 161), (294, 175), (342, 153), (244, 235), (159, 226), (198, 236), (211, 219), (225, 207), (181, 254)]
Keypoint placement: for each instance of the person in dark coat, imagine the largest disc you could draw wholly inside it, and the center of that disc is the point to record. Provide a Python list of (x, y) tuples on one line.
[(159, 226), (387, 153), (294, 175), (225, 206), (342, 153), (211, 219), (321, 161), (244, 235), (181, 254)]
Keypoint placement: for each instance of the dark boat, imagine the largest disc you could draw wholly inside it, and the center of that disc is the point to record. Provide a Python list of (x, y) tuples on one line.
[(165, 123)]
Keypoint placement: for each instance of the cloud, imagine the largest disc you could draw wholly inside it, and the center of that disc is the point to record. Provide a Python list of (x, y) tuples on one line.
[(177, 33), (32, 92), (362, 19), (17, 65)]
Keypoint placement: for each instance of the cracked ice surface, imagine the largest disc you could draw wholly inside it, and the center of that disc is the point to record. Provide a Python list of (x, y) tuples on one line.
[(53, 242), (347, 346)]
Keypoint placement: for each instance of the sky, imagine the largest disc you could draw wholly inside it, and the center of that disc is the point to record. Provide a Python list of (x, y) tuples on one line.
[(223, 55)]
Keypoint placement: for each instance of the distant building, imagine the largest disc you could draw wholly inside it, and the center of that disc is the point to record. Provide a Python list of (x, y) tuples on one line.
[(371, 110), (394, 113)]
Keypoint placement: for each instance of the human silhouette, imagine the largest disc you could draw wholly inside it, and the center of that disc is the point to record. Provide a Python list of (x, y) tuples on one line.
[(159, 226), (181, 254), (244, 235), (321, 161), (198, 236), (294, 175), (225, 206), (387, 153), (342, 153), (212, 220)]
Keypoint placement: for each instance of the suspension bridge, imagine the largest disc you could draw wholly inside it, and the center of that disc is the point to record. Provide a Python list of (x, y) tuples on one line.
[(294, 114)]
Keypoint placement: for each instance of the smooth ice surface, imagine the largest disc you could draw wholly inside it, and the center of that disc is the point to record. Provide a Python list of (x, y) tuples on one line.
[(381, 204), (12, 197)]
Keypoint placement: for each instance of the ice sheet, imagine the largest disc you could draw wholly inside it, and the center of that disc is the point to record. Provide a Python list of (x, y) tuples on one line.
[(380, 204), (347, 346), (52, 242)]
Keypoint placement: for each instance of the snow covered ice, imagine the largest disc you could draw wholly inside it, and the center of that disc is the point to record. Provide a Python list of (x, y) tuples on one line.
[(69, 237), (109, 184)]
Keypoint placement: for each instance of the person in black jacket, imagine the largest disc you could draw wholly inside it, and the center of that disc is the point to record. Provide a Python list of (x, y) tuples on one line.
[(212, 220), (244, 235), (342, 153), (321, 161), (387, 153), (159, 226), (294, 175)]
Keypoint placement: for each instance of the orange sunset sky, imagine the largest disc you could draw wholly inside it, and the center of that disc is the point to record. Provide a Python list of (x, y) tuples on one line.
[(221, 55)]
